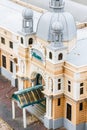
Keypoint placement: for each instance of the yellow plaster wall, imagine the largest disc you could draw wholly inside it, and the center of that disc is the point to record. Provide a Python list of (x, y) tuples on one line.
[(81, 116), (58, 111), (73, 104), (78, 117)]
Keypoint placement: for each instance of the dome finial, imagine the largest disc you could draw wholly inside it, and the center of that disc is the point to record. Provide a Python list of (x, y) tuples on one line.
[(27, 13), (57, 5)]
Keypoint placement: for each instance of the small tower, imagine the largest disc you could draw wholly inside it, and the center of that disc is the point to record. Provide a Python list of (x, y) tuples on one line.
[(57, 5), (27, 23), (56, 51), (57, 33), (27, 32)]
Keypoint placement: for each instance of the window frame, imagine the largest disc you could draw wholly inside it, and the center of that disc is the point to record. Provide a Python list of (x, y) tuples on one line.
[(11, 44), (4, 61), (2, 40), (69, 86), (30, 41), (69, 111), (11, 66), (59, 84), (22, 40), (81, 88), (60, 56), (50, 55), (59, 102), (81, 106)]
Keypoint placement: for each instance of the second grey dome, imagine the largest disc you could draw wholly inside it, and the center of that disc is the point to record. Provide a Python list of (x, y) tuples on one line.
[(27, 13)]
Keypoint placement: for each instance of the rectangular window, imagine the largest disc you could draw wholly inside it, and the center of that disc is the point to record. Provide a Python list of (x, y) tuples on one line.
[(59, 101), (2, 40), (81, 91), (11, 66), (69, 112), (81, 88), (11, 44), (80, 106), (59, 84), (69, 86), (4, 61)]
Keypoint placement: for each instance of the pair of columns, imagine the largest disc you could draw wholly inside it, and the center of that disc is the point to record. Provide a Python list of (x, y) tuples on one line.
[(24, 114), (48, 111)]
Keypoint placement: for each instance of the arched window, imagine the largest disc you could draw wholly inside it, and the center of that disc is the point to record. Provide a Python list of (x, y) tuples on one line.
[(30, 41), (50, 55), (21, 40), (60, 56)]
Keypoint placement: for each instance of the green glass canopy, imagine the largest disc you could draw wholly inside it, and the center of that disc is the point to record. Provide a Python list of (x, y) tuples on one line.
[(29, 96)]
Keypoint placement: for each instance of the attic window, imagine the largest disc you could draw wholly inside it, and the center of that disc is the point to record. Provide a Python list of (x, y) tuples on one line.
[(21, 40), (2, 40), (60, 56), (50, 55), (30, 41)]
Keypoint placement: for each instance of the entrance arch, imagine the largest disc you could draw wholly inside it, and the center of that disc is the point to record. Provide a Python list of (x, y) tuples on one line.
[(37, 79)]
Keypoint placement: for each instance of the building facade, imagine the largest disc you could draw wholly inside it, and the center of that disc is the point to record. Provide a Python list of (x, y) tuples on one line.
[(43, 48)]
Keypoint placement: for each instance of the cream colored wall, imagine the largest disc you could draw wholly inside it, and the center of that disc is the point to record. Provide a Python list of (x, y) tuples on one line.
[(5, 49), (76, 76)]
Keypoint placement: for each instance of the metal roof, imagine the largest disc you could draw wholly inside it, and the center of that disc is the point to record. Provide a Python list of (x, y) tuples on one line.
[(29, 96), (46, 21), (78, 54), (76, 9), (11, 16)]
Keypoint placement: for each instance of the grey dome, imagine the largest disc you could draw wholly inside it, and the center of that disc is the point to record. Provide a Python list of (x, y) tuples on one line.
[(57, 26), (27, 13), (45, 25)]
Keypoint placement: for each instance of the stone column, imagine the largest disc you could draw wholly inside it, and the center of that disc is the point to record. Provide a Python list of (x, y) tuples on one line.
[(24, 118), (48, 123), (13, 109), (49, 107), (14, 74), (14, 69)]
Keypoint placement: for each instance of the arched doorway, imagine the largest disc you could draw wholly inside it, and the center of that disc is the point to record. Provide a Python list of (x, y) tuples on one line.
[(38, 79)]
